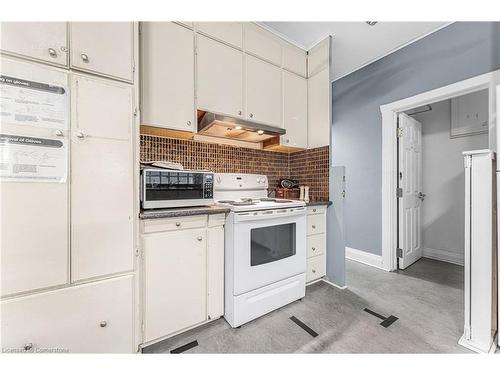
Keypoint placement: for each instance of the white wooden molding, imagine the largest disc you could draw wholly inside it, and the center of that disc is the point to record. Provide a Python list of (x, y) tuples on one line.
[(444, 255), (389, 147), (364, 257)]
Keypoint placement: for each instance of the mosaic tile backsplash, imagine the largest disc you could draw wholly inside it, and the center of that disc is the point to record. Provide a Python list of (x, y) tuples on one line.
[(310, 167)]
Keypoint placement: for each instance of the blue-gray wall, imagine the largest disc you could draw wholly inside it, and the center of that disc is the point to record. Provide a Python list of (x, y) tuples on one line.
[(457, 52)]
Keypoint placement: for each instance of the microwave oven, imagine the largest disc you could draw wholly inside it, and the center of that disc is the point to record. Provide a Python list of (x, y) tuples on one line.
[(166, 188)]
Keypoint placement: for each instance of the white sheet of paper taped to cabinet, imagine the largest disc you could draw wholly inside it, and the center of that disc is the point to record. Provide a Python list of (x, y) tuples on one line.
[(31, 159), (39, 104)]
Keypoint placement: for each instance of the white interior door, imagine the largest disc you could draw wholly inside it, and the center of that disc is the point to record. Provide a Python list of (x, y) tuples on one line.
[(410, 183)]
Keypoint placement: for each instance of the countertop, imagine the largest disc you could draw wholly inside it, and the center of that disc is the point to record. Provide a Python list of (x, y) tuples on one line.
[(319, 203), (184, 211)]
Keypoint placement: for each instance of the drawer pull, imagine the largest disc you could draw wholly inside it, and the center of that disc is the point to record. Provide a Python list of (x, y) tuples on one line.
[(314, 226), (85, 58), (28, 347), (52, 52), (103, 324), (314, 271), (313, 248), (199, 238), (314, 210), (178, 224)]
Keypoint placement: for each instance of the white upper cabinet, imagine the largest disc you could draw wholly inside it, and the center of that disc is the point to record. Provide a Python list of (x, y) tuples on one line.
[(167, 72), (318, 108), (44, 41), (263, 92), (102, 194), (294, 110), (104, 48), (294, 59), (318, 57), (262, 43), (227, 32), (219, 77)]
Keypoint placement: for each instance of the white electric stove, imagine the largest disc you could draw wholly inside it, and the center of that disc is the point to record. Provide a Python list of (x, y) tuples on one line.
[(265, 247)]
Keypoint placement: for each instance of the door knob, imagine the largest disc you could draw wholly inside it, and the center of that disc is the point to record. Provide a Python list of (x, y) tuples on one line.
[(85, 57), (52, 52), (421, 196)]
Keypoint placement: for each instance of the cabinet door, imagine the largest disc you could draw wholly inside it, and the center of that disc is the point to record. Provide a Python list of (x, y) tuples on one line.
[(215, 267), (45, 41), (263, 89), (228, 32), (219, 77), (167, 73), (262, 43), (318, 109), (294, 110), (294, 60), (34, 214), (318, 57), (90, 318), (102, 178), (175, 285), (103, 48)]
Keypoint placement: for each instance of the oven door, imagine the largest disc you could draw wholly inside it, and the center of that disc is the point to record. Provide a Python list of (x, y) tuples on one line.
[(269, 246)]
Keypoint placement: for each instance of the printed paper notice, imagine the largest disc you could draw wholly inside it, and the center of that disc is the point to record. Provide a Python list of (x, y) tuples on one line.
[(24, 102), (30, 159)]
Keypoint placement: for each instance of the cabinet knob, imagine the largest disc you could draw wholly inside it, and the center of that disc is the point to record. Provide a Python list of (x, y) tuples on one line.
[(251, 115), (59, 133), (199, 238), (288, 140), (188, 123), (103, 324), (80, 134), (314, 271), (52, 52), (178, 224), (27, 347), (314, 226), (314, 210), (313, 248), (85, 58), (239, 112)]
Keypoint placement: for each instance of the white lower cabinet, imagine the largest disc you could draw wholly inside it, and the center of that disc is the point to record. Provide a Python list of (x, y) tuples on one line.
[(316, 243), (183, 280), (89, 318)]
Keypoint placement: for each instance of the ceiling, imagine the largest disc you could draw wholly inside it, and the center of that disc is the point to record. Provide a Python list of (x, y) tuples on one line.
[(354, 44)]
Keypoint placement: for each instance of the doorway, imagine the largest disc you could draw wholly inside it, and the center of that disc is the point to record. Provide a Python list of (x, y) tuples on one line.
[(431, 180), (390, 112)]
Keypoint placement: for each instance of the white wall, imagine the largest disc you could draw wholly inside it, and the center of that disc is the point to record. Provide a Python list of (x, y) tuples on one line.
[(443, 182)]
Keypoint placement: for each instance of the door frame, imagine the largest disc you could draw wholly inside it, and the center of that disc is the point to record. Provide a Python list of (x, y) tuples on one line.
[(390, 151)]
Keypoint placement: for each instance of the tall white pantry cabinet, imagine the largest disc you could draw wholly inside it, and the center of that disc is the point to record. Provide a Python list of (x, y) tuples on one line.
[(68, 270)]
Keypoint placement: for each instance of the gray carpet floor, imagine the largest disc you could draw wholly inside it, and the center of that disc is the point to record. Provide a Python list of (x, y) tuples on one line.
[(427, 299)]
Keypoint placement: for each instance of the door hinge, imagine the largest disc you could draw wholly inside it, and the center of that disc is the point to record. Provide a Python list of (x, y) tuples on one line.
[(399, 252), (399, 132), (399, 192)]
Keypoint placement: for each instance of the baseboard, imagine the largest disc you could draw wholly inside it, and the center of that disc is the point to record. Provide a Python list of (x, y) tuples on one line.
[(444, 255), (333, 284), (364, 257)]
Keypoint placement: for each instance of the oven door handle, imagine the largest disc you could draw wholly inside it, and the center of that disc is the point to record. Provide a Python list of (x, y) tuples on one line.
[(269, 214)]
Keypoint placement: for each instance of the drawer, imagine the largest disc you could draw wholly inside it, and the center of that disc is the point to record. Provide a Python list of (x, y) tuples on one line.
[(216, 220), (316, 224), (316, 268), (90, 318), (313, 210), (174, 223), (316, 245)]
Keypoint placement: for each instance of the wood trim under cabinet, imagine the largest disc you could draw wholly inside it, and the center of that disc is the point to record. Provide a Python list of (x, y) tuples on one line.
[(167, 133)]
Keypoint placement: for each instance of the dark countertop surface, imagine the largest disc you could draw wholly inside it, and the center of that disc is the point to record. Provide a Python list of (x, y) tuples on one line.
[(160, 213), (319, 203)]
